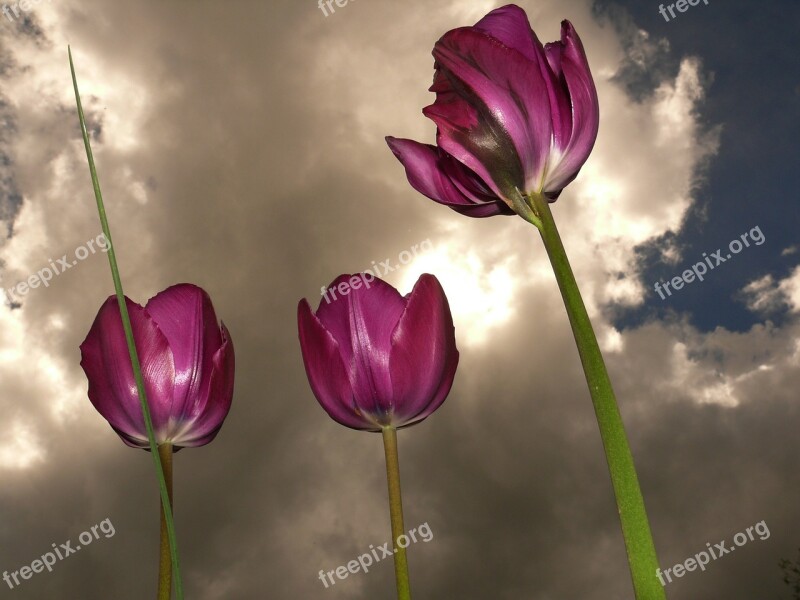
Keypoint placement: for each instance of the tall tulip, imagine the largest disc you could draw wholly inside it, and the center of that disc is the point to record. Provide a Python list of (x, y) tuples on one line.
[(515, 122), (379, 361), (187, 362), (513, 117), (169, 559)]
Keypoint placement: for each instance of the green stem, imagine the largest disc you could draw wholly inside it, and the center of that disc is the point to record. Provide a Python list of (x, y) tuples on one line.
[(165, 560), (635, 526), (396, 512), (126, 325)]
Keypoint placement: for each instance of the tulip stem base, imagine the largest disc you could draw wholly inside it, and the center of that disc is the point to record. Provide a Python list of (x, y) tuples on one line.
[(635, 526), (126, 325), (165, 560), (396, 512)]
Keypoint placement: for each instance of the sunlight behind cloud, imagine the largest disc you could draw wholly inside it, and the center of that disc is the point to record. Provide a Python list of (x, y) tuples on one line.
[(480, 296)]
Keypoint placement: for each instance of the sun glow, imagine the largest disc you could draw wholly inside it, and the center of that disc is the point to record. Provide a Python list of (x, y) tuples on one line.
[(480, 295)]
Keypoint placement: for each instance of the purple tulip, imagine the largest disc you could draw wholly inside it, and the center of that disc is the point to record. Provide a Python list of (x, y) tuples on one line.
[(377, 359), (187, 363), (513, 117)]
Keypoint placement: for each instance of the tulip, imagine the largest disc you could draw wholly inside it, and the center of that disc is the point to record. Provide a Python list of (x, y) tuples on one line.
[(513, 118), (187, 364), (169, 562), (376, 359), (379, 361), (515, 123), (187, 361)]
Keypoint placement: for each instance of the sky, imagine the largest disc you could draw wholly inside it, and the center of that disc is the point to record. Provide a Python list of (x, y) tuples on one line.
[(240, 146)]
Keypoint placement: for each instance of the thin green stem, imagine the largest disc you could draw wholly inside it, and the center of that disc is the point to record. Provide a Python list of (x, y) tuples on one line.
[(165, 560), (635, 526), (396, 512), (126, 325)]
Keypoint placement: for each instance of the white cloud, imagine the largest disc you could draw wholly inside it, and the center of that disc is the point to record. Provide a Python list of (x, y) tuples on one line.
[(790, 288), (766, 295)]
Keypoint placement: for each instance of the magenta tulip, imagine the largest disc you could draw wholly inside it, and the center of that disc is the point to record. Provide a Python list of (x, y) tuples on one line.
[(376, 359), (187, 362), (515, 122), (513, 118)]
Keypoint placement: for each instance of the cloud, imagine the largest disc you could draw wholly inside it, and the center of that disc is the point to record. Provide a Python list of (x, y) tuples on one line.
[(767, 296)]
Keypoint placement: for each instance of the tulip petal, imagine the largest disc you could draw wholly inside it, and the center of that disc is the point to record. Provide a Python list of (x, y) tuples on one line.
[(509, 25), (568, 60), (326, 371), (492, 110), (185, 315), (362, 321), (204, 418), (446, 383), (112, 387), (486, 202), (134, 441), (424, 355), (335, 311), (437, 175)]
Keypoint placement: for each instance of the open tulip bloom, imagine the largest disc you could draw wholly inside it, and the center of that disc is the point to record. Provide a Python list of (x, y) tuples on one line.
[(379, 361), (516, 121)]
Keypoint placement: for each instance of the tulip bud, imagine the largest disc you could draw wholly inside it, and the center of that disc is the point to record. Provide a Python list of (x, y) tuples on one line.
[(377, 359), (187, 362)]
